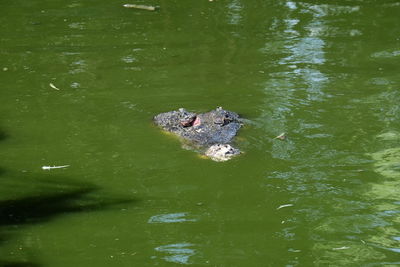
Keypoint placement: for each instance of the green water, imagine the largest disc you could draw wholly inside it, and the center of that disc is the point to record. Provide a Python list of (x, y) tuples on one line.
[(324, 72)]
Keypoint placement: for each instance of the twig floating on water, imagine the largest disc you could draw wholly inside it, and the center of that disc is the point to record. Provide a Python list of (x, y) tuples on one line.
[(143, 7), (54, 167), (341, 248), (54, 87), (284, 206)]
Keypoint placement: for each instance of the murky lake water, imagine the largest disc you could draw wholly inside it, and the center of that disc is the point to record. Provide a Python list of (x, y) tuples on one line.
[(326, 73)]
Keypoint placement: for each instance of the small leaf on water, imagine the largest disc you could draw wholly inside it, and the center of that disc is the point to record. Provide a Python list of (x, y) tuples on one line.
[(282, 136)]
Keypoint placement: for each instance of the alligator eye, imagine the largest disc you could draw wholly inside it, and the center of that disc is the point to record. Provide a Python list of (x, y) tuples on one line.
[(187, 122)]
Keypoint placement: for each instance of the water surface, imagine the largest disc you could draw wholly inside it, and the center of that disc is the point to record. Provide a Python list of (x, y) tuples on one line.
[(323, 72)]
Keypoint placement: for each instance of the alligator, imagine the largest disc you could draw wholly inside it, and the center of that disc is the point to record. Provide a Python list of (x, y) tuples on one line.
[(209, 133)]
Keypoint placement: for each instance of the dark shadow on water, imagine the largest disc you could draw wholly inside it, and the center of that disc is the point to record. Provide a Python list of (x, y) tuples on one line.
[(35, 209), (18, 264), (29, 199), (40, 198), (51, 199), (3, 135)]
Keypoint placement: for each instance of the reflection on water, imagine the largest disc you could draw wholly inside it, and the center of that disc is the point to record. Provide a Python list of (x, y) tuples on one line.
[(171, 218), (77, 25), (343, 218), (371, 231), (386, 54), (78, 66), (177, 253), (234, 8), (385, 194)]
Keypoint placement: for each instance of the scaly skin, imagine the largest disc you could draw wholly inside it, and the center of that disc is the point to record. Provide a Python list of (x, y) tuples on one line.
[(217, 127)]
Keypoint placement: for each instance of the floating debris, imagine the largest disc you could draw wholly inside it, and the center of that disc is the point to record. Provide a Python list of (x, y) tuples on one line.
[(54, 167), (143, 7), (54, 87), (341, 248), (284, 206), (282, 137)]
